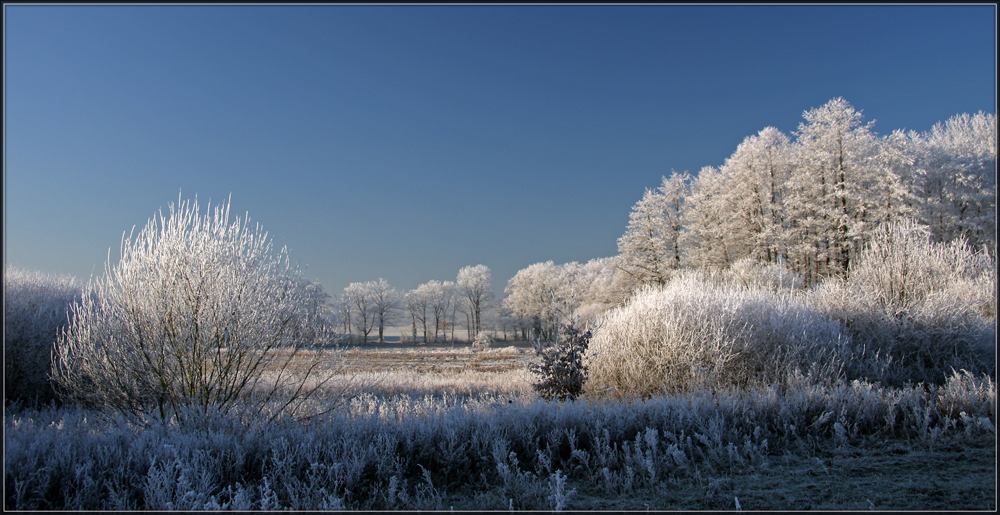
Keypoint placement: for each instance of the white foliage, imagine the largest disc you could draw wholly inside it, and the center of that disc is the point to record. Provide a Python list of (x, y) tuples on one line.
[(922, 307), (756, 178), (194, 312), (694, 333), (957, 162), (706, 223), (650, 248), (544, 294), (373, 304), (475, 283)]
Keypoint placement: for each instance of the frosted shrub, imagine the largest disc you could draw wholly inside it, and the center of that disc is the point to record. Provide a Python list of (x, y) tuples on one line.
[(482, 342), (916, 309), (771, 276), (561, 369), (199, 311), (35, 308), (694, 333)]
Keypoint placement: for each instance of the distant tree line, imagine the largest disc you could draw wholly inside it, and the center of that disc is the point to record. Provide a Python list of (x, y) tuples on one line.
[(432, 308), (808, 202)]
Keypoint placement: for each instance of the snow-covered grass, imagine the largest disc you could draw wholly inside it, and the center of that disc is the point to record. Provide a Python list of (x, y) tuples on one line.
[(36, 307), (434, 452)]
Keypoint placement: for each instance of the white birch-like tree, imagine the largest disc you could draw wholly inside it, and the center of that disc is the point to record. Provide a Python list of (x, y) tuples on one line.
[(345, 308), (756, 176), (475, 283), (833, 183), (650, 249), (706, 221), (532, 294), (385, 301), (359, 296), (418, 301), (958, 166), (440, 297)]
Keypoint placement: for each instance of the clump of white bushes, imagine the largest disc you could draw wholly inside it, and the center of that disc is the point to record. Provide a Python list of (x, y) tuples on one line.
[(909, 311), (915, 309), (36, 308), (695, 333)]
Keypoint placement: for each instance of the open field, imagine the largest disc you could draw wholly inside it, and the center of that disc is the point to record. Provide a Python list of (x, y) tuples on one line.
[(439, 358)]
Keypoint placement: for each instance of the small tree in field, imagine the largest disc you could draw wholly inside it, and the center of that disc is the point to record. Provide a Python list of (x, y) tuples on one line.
[(198, 312), (561, 369)]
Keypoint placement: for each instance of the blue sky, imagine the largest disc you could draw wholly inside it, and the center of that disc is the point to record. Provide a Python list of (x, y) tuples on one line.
[(405, 142)]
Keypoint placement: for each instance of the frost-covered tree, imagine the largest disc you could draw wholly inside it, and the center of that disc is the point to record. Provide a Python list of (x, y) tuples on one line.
[(532, 294), (385, 301), (650, 248), (200, 312), (894, 188), (345, 308), (543, 295), (832, 187), (958, 165), (440, 297), (476, 285), (706, 220), (755, 178), (603, 283), (417, 302), (359, 296)]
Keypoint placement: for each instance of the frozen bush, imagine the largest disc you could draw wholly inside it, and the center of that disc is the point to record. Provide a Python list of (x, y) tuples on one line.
[(915, 309), (965, 394), (694, 333), (482, 342), (198, 311), (561, 369), (771, 276), (36, 307)]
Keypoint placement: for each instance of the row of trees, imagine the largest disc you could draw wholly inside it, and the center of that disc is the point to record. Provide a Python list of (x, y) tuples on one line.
[(434, 305), (812, 202), (809, 204)]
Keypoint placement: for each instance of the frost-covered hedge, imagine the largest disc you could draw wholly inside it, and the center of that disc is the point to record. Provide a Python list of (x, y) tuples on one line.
[(915, 309), (696, 332), (36, 307)]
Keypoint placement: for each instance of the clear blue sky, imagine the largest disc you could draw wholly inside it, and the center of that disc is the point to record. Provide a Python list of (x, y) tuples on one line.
[(405, 142)]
